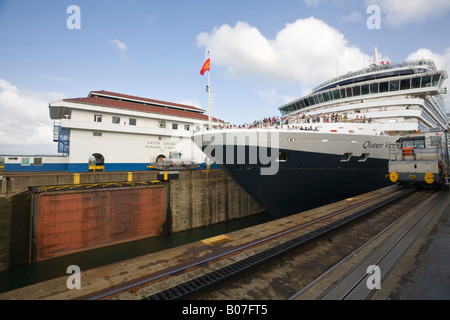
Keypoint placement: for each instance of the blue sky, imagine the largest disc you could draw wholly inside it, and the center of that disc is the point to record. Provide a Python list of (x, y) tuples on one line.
[(263, 53)]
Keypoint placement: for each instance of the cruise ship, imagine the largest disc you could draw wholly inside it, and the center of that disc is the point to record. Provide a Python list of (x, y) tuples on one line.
[(333, 143)]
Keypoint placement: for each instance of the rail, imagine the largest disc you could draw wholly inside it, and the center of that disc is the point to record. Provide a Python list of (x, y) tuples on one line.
[(193, 286), (353, 285)]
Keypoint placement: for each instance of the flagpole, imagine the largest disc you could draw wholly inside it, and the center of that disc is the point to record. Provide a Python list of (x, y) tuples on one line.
[(209, 98)]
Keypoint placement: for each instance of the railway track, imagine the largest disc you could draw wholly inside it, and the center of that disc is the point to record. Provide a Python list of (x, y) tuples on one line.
[(291, 268)]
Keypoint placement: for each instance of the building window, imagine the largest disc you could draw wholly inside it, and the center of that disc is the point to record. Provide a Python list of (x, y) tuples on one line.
[(162, 123), (98, 118), (37, 161), (186, 127), (97, 134), (25, 161), (174, 126), (132, 122), (116, 119)]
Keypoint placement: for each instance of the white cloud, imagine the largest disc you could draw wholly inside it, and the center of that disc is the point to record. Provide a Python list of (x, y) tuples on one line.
[(25, 125), (122, 47), (442, 61), (402, 12), (294, 55)]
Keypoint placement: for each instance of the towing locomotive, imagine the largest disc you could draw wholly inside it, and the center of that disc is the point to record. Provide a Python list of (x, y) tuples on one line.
[(421, 159)]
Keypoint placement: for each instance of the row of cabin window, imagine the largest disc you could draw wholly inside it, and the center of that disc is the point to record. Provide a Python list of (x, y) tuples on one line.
[(132, 122), (372, 88)]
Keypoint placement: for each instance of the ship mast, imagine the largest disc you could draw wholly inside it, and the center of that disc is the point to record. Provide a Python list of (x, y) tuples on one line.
[(375, 56)]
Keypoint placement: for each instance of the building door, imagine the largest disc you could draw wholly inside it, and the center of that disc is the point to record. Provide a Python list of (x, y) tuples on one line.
[(96, 162), (160, 158)]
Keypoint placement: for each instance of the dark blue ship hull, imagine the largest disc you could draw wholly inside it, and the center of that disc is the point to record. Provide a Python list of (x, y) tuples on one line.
[(308, 180)]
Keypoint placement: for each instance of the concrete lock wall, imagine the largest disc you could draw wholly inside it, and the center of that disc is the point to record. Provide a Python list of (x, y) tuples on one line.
[(72, 221), (58, 223), (14, 230), (203, 197)]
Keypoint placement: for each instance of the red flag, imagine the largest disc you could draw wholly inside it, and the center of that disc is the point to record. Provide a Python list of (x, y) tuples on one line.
[(205, 67)]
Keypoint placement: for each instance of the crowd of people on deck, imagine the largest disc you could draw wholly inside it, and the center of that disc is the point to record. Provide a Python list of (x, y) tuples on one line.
[(297, 121)]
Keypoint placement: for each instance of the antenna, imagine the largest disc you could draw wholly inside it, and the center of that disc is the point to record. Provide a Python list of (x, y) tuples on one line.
[(375, 55)]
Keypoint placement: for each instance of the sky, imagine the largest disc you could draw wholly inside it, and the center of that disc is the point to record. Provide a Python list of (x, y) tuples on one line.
[(264, 54)]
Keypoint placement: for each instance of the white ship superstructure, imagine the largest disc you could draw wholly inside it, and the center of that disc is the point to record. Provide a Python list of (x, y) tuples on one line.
[(391, 98)]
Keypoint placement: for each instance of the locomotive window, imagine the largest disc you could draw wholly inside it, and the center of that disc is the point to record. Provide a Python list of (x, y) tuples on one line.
[(407, 144), (419, 144), (416, 143)]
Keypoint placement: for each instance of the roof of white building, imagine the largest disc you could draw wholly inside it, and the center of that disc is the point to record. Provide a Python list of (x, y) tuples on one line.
[(123, 101)]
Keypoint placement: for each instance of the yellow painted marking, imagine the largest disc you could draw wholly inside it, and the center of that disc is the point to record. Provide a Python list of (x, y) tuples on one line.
[(216, 240)]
